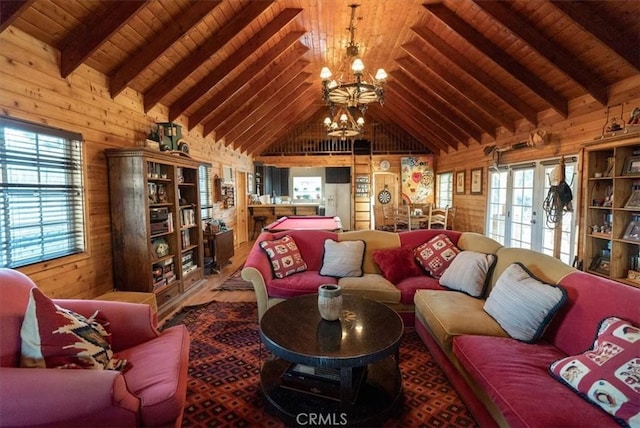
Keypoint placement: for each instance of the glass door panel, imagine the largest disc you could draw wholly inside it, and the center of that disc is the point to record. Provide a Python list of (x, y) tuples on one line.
[(522, 217)]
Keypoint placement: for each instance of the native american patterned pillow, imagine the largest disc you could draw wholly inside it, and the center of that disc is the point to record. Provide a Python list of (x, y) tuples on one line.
[(608, 374), (436, 255), (54, 337), (284, 256)]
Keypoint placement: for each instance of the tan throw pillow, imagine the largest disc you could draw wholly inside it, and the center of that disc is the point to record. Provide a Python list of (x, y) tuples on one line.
[(342, 259), (469, 272), (522, 304)]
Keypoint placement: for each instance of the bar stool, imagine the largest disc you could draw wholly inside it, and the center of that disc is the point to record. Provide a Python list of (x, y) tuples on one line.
[(259, 222)]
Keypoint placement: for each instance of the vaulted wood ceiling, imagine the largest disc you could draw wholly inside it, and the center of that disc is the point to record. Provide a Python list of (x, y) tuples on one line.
[(248, 71)]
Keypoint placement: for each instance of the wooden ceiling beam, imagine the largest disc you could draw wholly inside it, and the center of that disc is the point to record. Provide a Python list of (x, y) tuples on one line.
[(393, 115), (281, 118), (476, 73), (267, 113), (429, 116), (443, 109), (163, 40), (381, 117), (240, 106), (234, 60), (443, 97), (562, 59), (80, 44), (302, 114), (500, 57), (10, 10), (457, 85), (273, 94), (244, 79), (402, 108), (194, 60), (625, 45)]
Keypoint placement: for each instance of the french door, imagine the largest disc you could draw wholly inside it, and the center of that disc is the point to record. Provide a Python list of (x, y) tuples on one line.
[(515, 213)]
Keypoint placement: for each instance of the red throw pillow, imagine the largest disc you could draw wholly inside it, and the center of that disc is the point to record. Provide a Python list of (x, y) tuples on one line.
[(436, 255), (284, 255), (607, 375), (397, 264), (54, 337)]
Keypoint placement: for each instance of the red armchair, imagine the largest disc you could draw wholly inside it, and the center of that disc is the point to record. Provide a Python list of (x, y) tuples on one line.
[(152, 392)]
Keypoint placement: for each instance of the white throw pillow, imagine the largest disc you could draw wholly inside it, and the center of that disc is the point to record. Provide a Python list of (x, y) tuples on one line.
[(468, 273), (522, 304), (342, 259)]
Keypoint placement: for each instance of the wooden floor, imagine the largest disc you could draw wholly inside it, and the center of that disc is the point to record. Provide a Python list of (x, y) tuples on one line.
[(208, 292)]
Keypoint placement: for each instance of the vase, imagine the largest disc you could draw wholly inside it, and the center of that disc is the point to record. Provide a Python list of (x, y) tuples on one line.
[(330, 301)]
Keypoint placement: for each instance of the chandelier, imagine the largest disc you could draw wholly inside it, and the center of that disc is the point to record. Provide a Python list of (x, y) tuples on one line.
[(343, 124), (352, 91)]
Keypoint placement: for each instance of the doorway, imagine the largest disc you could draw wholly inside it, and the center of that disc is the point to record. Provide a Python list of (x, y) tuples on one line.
[(515, 214), (385, 198)]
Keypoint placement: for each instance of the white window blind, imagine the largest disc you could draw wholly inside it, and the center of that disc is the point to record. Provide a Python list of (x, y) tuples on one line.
[(206, 199), (41, 193)]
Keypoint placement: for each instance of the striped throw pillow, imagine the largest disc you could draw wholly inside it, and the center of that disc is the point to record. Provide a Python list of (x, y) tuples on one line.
[(522, 304)]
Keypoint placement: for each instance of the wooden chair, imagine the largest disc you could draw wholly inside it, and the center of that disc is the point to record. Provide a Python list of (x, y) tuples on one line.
[(401, 218), (438, 217)]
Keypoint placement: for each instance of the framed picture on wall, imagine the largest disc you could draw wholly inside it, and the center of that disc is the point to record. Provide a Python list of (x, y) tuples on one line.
[(460, 183), (476, 181)]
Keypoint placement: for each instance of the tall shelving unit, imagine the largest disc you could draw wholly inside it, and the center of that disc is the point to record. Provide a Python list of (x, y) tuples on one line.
[(155, 222), (612, 174), (362, 192)]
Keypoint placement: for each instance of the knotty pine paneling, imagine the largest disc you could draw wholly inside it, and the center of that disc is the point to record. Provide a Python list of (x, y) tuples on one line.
[(31, 89), (584, 123)]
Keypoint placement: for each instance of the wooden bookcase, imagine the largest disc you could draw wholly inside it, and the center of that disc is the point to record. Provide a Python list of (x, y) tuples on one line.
[(155, 223), (611, 175)]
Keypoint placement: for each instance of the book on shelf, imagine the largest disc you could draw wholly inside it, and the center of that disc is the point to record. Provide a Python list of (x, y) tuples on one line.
[(186, 239), (187, 217)]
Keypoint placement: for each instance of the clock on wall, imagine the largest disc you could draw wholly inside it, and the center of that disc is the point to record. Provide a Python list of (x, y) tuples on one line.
[(385, 165)]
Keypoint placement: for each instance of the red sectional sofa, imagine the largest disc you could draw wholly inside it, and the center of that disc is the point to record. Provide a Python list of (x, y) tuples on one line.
[(372, 284), (506, 382), (503, 381)]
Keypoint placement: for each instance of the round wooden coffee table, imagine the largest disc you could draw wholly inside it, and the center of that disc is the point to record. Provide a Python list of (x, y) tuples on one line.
[(342, 372)]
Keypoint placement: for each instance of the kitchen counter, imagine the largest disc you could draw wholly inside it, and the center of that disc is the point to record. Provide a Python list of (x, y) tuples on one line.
[(287, 208)]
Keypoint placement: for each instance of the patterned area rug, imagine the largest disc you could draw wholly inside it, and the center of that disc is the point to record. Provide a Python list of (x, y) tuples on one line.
[(224, 382), (235, 282)]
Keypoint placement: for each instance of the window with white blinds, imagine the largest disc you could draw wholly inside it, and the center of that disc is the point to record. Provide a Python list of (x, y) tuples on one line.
[(206, 200), (41, 193)]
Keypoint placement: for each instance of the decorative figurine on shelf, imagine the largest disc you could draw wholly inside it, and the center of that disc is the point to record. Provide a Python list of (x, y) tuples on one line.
[(634, 118)]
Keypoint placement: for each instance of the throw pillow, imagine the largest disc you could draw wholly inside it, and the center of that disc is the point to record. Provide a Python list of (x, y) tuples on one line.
[(469, 273), (397, 264), (522, 304), (54, 337), (608, 374), (342, 259), (284, 256), (436, 254)]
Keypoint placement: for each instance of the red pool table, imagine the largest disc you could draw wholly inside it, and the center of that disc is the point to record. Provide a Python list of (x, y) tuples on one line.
[(305, 223)]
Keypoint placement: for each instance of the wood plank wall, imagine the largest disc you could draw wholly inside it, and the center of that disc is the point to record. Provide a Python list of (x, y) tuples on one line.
[(584, 123), (31, 89)]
